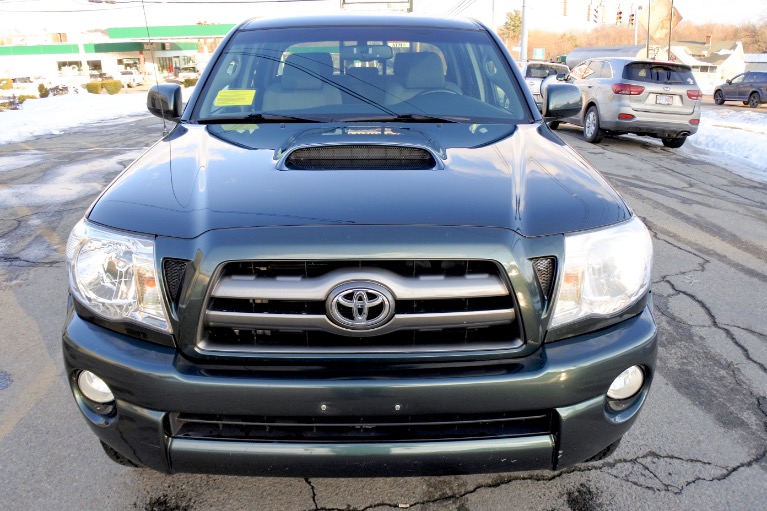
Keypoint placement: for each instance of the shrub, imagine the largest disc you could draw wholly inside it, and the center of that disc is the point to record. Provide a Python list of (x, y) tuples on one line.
[(190, 82), (93, 87), (42, 91), (23, 97), (112, 86), (6, 83)]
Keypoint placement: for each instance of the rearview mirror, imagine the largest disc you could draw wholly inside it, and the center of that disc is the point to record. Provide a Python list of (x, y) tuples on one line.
[(366, 52)]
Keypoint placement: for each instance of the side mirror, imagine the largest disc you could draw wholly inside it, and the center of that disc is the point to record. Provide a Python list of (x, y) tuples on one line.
[(729, 81), (164, 101), (560, 100)]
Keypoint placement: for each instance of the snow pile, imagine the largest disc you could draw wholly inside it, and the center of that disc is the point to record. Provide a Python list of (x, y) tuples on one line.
[(735, 139), (54, 114)]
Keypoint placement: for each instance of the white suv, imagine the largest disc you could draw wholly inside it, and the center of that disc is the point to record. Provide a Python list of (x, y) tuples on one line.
[(131, 77)]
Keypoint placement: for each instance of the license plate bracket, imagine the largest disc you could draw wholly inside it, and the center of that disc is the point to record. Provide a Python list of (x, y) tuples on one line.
[(664, 99)]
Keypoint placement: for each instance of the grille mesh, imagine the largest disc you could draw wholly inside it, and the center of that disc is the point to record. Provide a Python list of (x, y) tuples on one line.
[(360, 157), (174, 270), (545, 271)]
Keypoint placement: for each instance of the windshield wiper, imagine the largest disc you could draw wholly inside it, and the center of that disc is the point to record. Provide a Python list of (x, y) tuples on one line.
[(406, 118), (257, 118)]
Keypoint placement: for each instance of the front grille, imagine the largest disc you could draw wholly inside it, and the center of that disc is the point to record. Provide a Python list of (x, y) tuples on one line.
[(355, 429), (173, 271), (360, 157), (545, 268), (278, 307)]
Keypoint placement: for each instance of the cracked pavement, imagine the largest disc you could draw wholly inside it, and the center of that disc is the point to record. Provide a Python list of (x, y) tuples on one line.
[(700, 443)]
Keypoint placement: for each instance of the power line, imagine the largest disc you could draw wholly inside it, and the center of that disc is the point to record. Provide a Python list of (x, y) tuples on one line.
[(122, 5), (471, 2), (458, 7)]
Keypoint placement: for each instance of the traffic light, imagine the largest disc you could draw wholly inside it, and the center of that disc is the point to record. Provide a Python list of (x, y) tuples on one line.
[(631, 19), (619, 18)]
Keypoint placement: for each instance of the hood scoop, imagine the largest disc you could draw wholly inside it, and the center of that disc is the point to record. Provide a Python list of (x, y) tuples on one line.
[(360, 157)]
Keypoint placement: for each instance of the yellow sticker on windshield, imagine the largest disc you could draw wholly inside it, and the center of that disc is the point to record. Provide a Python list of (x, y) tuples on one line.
[(240, 127), (234, 97)]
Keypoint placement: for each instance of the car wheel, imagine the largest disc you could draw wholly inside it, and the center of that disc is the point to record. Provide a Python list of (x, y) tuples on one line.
[(606, 452), (117, 457), (719, 97), (554, 125), (673, 143), (754, 100), (591, 130)]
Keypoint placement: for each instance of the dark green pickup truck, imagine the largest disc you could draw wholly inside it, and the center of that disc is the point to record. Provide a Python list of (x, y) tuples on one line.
[(361, 251)]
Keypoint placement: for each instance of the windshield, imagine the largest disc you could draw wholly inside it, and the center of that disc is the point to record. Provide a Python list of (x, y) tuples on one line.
[(362, 74)]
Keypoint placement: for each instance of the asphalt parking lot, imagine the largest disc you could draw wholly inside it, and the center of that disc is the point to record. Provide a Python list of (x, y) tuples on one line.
[(700, 444)]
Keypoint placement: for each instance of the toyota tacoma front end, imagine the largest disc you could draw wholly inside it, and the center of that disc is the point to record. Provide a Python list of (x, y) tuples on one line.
[(360, 252)]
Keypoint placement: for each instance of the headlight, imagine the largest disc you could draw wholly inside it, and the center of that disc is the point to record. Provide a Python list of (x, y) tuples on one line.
[(605, 271), (114, 275)]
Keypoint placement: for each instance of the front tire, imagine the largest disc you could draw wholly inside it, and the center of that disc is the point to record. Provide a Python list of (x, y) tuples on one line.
[(591, 131), (117, 457), (719, 97), (754, 100), (606, 452), (554, 125), (673, 143)]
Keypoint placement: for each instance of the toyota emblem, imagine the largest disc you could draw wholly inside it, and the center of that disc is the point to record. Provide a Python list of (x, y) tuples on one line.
[(360, 305)]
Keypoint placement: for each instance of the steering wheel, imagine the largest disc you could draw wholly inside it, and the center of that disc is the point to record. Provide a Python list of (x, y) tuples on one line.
[(433, 91)]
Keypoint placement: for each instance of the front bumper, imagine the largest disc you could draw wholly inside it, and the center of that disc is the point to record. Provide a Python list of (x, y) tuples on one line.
[(153, 383)]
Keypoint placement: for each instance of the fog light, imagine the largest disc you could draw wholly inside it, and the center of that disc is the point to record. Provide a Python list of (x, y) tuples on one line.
[(94, 388), (626, 384)]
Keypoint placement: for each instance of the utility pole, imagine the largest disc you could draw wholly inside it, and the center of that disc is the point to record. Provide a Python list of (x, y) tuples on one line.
[(523, 35), (670, 28), (636, 25), (649, 11)]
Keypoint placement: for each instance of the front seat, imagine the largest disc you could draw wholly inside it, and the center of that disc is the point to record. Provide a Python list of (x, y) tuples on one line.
[(301, 85), (418, 73)]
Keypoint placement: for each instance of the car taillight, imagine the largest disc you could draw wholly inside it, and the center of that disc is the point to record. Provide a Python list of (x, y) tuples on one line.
[(694, 122), (627, 89), (694, 94)]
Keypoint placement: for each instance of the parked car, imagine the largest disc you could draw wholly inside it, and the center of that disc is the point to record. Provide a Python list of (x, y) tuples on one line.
[(644, 97), (131, 78), (328, 268), (187, 72), (26, 85), (749, 87), (97, 76), (534, 73)]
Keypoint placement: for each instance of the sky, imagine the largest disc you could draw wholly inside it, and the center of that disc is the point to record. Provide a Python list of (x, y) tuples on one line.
[(29, 16)]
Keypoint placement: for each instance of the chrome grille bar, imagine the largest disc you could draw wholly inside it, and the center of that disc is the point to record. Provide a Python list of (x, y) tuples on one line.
[(317, 289), (304, 322)]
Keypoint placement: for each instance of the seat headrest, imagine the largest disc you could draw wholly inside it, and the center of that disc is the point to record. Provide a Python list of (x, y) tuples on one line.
[(301, 70), (402, 64), (363, 73), (424, 71)]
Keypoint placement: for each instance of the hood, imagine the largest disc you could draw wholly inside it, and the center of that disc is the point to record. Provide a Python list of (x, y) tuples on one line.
[(200, 179)]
